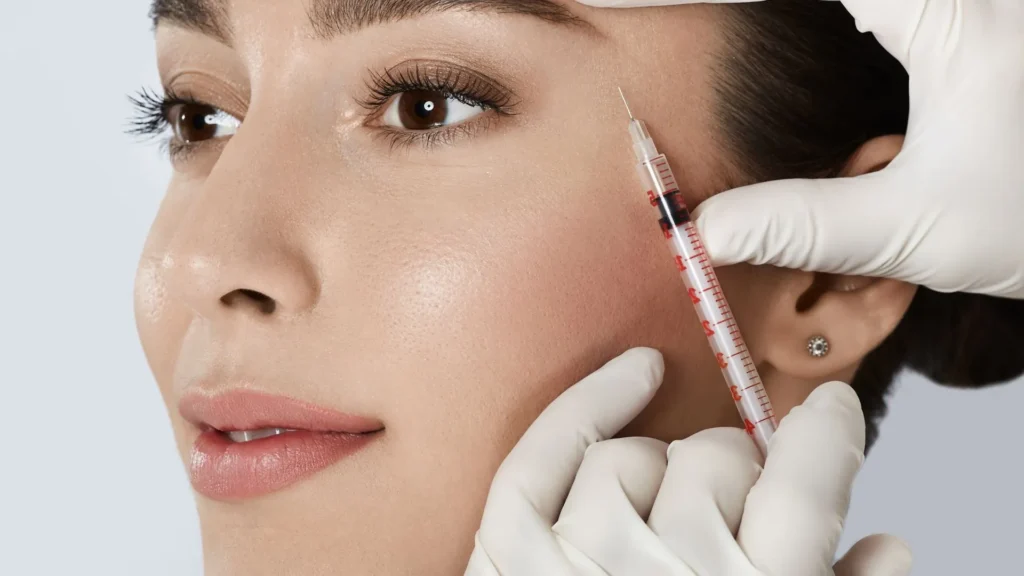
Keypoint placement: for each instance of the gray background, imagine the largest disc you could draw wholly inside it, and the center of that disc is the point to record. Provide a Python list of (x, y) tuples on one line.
[(89, 477)]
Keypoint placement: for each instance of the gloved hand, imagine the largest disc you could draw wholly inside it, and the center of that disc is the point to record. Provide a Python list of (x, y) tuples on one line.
[(946, 213), (700, 506)]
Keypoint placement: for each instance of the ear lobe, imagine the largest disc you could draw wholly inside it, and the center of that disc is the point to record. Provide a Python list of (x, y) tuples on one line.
[(854, 315)]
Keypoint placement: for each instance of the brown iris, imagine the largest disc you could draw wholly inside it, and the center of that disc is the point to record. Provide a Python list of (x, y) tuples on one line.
[(422, 109), (189, 122)]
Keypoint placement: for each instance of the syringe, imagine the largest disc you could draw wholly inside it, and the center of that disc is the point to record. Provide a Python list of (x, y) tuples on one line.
[(705, 293)]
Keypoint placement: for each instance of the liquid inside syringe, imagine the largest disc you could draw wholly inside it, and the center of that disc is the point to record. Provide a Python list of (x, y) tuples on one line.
[(704, 291)]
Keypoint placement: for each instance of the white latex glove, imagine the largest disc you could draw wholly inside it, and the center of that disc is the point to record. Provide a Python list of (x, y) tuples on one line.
[(947, 212), (567, 501)]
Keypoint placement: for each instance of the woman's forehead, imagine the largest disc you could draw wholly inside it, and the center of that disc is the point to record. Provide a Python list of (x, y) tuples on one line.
[(329, 18)]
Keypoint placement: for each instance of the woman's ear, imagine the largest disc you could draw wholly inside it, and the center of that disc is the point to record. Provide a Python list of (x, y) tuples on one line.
[(873, 156), (852, 314)]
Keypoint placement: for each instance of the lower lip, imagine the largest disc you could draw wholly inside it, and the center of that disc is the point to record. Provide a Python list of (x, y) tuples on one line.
[(224, 470)]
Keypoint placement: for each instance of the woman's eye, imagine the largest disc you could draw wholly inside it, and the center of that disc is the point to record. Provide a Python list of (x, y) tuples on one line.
[(193, 123), (426, 110)]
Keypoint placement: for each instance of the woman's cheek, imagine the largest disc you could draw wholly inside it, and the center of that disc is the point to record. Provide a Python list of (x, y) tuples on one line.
[(519, 296), (750, 289), (161, 317)]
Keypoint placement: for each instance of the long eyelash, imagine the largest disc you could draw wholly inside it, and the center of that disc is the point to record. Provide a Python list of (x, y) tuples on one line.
[(151, 108), (149, 120), (453, 83)]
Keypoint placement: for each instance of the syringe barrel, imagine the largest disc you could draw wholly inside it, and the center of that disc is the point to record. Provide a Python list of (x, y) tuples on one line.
[(708, 299)]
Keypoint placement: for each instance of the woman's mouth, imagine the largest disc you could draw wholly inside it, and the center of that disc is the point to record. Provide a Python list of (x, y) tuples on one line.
[(252, 444)]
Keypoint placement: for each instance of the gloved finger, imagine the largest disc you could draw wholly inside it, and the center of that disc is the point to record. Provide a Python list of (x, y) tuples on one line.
[(581, 564), (815, 225), (532, 483), (605, 515), (645, 3), (878, 555), (479, 563), (896, 24), (795, 512), (700, 504)]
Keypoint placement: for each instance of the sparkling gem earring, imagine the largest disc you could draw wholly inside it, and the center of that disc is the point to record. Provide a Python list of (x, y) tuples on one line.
[(817, 347)]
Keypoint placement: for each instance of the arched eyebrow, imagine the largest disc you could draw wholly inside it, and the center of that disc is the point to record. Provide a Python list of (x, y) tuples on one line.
[(208, 17), (330, 18)]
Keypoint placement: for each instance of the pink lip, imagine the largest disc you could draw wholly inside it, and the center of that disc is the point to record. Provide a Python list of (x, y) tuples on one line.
[(225, 470)]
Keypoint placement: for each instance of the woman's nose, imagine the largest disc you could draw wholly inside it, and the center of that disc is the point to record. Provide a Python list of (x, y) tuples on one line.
[(227, 277), (238, 249), (245, 242), (240, 275)]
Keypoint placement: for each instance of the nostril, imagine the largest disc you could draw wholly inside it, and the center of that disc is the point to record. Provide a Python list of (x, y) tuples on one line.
[(242, 297)]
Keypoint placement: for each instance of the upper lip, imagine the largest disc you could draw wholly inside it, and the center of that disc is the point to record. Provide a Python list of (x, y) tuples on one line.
[(236, 410)]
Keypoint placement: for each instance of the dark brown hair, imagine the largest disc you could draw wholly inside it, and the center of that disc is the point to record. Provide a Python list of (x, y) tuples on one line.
[(800, 89)]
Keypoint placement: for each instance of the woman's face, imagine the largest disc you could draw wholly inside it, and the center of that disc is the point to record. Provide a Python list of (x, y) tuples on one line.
[(428, 219)]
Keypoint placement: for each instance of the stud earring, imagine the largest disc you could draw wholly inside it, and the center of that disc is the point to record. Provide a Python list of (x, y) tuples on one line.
[(817, 347)]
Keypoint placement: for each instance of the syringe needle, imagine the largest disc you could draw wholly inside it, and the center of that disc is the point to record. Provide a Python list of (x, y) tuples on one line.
[(626, 103)]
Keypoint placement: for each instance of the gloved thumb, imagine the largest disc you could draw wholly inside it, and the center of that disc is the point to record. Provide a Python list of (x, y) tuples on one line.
[(533, 482), (828, 225), (541, 468), (878, 555)]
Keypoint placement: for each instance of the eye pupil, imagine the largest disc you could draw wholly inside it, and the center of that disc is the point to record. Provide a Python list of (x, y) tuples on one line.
[(422, 109), (190, 122)]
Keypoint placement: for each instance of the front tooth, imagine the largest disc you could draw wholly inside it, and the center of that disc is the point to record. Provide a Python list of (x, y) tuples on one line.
[(250, 435)]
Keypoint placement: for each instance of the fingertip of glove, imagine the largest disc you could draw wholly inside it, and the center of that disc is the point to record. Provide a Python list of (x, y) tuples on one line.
[(903, 558), (878, 555), (719, 247), (649, 360), (832, 411), (834, 395), (717, 441), (901, 554)]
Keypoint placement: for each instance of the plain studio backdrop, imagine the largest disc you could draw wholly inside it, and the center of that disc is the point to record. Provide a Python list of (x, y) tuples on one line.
[(90, 481)]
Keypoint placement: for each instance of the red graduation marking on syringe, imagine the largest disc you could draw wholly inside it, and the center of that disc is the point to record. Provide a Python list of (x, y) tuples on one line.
[(706, 294)]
